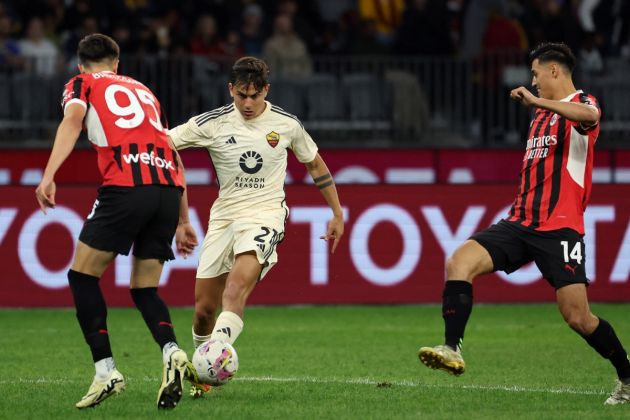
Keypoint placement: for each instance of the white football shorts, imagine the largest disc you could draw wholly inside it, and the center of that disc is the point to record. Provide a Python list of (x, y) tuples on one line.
[(226, 238)]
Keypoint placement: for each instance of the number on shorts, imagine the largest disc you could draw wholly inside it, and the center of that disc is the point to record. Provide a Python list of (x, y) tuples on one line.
[(274, 240), (93, 209), (261, 238), (575, 254)]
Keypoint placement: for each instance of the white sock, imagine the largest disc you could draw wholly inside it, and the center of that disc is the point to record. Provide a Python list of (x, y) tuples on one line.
[(199, 339), (104, 368), (168, 349), (228, 327)]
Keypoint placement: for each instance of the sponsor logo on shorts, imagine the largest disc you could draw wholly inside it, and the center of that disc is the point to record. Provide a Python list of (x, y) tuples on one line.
[(570, 268)]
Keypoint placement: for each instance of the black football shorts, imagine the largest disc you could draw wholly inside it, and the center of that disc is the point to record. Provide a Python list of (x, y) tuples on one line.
[(143, 216), (558, 254)]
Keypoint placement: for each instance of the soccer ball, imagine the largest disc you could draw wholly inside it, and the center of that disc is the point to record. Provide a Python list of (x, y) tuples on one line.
[(216, 362)]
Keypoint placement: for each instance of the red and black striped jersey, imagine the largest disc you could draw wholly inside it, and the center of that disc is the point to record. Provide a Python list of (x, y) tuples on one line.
[(125, 126), (556, 174)]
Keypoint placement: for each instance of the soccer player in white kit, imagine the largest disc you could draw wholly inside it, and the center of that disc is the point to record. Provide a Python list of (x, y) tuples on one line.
[(247, 141)]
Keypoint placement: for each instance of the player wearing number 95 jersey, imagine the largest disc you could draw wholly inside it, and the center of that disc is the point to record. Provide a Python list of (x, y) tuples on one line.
[(138, 204)]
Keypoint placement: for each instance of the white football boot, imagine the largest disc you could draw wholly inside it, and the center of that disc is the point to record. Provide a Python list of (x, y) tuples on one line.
[(175, 370), (99, 390), (444, 358), (620, 395)]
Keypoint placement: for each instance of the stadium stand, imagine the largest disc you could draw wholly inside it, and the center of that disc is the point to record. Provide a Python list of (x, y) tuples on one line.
[(364, 90), (323, 98)]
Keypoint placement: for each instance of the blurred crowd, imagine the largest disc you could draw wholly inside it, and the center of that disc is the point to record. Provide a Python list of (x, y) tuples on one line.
[(44, 33)]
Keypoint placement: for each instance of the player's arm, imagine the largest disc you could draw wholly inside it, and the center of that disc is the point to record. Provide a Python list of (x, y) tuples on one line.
[(586, 115), (185, 236), (189, 134), (324, 181), (67, 135)]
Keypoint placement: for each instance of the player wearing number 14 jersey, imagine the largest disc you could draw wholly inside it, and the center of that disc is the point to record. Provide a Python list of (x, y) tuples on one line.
[(545, 223), (138, 204)]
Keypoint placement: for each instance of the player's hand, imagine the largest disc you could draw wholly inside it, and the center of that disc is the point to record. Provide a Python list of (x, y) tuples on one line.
[(523, 95), (45, 194), (185, 239), (334, 231)]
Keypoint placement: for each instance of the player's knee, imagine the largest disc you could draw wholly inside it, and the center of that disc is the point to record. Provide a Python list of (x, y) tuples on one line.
[(451, 266), (205, 309), (205, 313), (578, 323), (458, 268), (144, 296)]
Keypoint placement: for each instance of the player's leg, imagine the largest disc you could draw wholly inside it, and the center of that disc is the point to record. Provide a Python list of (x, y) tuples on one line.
[(145, 277), (466, 263), (495, 248), (239, 284), (216, 258), (104, 235), (560, 256), (153, 247), (598, 333), (254, 247), (91, 311), (234, 257), (573, 305), (208, 295), (229, 291)]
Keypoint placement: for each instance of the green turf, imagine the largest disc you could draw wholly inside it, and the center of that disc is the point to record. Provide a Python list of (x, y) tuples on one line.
[(332, 362)]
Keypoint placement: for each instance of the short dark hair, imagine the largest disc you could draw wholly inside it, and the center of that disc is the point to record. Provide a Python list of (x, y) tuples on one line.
[(553, 51), (250, 70), (96, 48)]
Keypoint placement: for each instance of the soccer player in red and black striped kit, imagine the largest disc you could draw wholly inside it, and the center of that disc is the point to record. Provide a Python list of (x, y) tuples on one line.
[(546, 221), (139, 203)]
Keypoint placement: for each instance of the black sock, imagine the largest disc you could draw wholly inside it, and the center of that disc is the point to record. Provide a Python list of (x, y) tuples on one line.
[(457, 301), (155, 314), (605, 342), (91, 313)]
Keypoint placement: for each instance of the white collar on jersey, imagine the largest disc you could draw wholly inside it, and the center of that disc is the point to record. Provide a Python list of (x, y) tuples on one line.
[(571, 96)]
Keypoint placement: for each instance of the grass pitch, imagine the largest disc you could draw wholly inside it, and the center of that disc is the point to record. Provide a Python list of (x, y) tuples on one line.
[(331, 362)]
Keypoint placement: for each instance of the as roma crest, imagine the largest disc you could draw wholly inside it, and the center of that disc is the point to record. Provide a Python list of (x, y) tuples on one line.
[(273, 138)]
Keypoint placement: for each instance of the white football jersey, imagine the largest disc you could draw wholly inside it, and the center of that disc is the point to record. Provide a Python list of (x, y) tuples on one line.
[(249, 156)]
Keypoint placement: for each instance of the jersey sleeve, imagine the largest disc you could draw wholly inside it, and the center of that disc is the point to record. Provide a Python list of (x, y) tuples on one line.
[(190, 134), (592, 102), (75, 92), (303, 145)]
